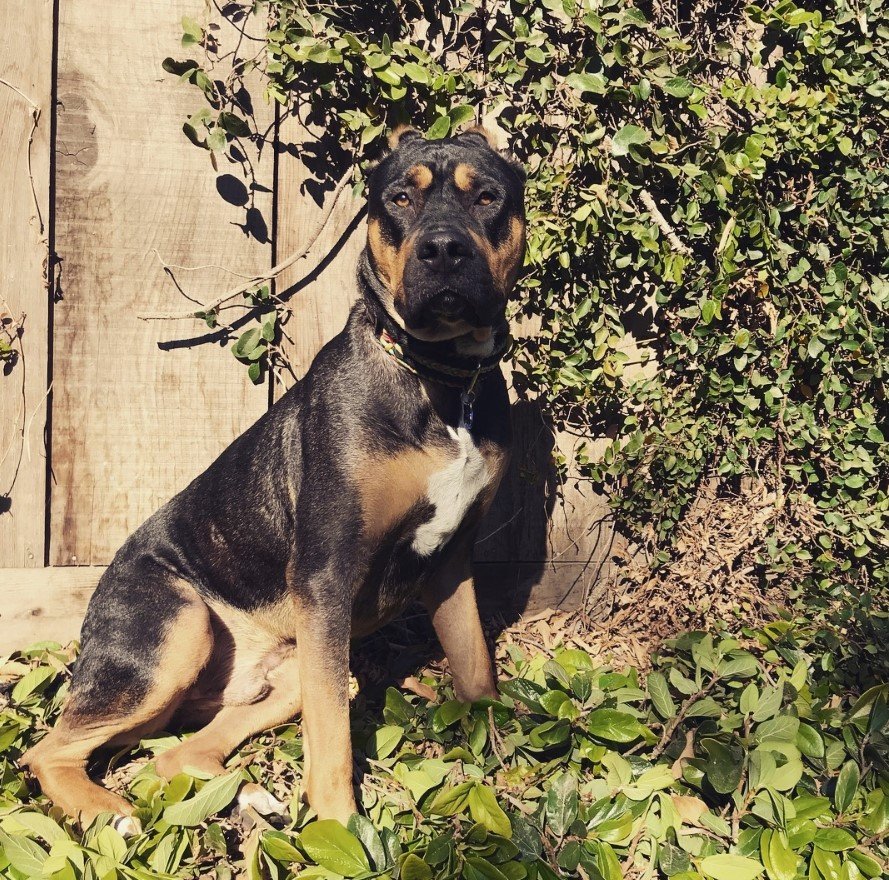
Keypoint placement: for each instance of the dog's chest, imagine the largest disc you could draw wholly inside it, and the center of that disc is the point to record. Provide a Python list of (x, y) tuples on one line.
[(451, 491), (417, 497)]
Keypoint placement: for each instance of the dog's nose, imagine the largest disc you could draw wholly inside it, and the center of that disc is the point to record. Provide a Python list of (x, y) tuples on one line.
[(444, 250)]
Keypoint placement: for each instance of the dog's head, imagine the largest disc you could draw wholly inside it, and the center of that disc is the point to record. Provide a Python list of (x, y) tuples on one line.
[(446, 233)]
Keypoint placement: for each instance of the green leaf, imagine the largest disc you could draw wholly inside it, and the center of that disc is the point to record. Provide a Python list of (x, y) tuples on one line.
[(213, 796), (449, 713), (614, 726), (827, 863), (450, 801), (278, 846), (234, 125), (626, 137), (784, 728), (416, 72), (587, 82), (414, 868), (475, 868), (561, 804), (749, 699), (23, 854), (247, 342), (724, 764), (769, 703), (730, 867), (659, 694), (678, 87), (485, 810), (809, 741), (330, 845), (779, 859), (460, 115), (384, 741), (527, 692), (847, 787), (32, 682), (834, 839), (35, 823), (364, 830), (439, 128)]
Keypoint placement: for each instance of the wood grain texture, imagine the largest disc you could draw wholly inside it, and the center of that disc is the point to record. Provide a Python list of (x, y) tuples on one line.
[(44, 604), (320, 306), (49, 604), (26, 54), (132, 424)]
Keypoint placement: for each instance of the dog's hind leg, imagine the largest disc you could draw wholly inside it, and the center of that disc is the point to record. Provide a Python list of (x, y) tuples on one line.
[(145, 643), (207, 749)]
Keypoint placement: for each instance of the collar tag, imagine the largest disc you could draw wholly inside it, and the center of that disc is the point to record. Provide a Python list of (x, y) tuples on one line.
[(467, 401), (467, 412)]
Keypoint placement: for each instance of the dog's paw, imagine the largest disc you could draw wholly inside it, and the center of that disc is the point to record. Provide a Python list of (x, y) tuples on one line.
[(127, 826), (265, 803)]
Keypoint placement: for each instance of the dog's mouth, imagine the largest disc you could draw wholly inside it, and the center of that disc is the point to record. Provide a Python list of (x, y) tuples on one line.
[(448, 305)]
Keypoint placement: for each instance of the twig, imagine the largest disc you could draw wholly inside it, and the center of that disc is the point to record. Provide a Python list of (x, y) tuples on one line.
[(663, 224), (272, 273), (35, 120), (674, 722), (495, 739)]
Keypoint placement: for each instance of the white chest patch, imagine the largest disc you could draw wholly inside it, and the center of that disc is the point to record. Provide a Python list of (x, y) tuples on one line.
[(452, 490)]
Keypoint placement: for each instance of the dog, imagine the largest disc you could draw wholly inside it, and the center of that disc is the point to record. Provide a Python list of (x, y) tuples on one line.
[(359, 491)]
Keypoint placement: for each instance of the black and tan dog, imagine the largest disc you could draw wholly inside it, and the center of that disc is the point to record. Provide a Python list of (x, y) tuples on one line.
[(361, 490)]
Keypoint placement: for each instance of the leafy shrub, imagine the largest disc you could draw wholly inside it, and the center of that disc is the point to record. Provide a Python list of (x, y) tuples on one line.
[(734, 760), (706, 193)]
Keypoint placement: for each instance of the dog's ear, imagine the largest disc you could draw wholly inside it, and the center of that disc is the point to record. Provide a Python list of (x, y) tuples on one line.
[(402, 134), (479, 131)]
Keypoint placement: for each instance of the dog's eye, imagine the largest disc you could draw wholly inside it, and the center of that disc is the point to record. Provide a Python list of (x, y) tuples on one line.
[(486, 198), (402, 200)]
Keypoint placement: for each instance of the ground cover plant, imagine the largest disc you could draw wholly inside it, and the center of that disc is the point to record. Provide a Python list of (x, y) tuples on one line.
[(707, 263), (734, 759)]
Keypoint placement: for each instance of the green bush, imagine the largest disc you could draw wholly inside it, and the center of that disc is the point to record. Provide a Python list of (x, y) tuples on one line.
[(733, 761), (707, 193)]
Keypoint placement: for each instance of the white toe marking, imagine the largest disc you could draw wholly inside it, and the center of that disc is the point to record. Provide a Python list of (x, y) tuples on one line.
[(128, 826), (255, 796), (452, 490)]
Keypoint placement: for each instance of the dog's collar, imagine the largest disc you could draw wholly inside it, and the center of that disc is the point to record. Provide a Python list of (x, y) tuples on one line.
[(461, 371), (462, 378)]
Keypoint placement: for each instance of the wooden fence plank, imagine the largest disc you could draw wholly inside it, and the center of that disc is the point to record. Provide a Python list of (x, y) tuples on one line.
[(26, 60), (539, 514), (48, 604), (43, 605), (319, 308), (133, 424)]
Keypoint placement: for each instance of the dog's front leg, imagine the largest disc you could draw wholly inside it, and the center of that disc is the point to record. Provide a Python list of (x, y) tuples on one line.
[(322, 643), (450, 600)]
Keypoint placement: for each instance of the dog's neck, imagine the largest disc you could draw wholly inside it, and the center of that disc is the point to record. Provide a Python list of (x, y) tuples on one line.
[(441, 361)]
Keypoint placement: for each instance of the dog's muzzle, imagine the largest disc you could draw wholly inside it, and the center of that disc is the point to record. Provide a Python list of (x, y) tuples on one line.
[(448, 280)]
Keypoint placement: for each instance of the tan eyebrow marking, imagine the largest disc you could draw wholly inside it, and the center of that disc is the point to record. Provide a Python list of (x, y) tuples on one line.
[(420, 176), (464, 176)]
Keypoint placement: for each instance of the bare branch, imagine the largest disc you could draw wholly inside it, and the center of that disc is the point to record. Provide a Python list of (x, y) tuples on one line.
[(256, 280), (663, 224)]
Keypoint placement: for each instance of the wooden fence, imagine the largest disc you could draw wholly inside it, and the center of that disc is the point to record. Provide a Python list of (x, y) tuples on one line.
[(104, 416)]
